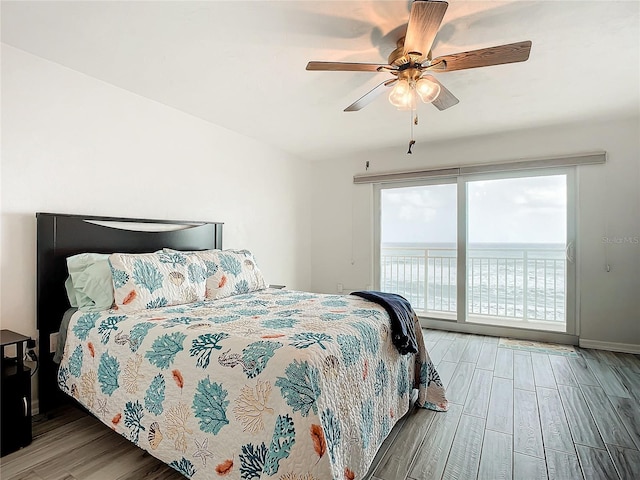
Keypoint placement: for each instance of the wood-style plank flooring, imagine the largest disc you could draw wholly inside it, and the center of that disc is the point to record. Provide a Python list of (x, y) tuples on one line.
[(513, 415), (520, 415)]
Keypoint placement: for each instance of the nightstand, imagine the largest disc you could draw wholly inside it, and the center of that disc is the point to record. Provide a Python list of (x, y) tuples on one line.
[(16, 395)]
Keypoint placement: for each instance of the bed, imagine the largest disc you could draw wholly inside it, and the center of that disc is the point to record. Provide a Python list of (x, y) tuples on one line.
[(268, 383)]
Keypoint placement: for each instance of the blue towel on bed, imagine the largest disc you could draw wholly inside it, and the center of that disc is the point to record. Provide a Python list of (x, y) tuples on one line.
[(403, 333)]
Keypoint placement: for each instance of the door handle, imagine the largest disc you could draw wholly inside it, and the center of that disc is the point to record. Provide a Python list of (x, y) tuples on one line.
[(569, 252), (24, 404)]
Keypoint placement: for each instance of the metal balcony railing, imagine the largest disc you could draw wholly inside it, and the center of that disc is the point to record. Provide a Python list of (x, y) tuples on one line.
[(507, 281)]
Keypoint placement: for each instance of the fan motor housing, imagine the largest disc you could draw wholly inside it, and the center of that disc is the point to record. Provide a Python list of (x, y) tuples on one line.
[(397, 58)]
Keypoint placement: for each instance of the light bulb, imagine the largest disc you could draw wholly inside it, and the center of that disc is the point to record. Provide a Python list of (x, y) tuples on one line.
[(427, 90), (410, 100), (400, 96)]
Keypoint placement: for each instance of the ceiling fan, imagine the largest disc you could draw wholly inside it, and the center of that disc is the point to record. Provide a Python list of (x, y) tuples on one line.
[(411, 62)]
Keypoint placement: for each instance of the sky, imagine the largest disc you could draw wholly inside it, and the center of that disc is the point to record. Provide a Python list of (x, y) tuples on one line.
[(515, 210)]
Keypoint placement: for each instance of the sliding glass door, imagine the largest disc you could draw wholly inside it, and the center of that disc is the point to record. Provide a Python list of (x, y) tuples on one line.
[(418, 253), (491, 249), (517, 251)]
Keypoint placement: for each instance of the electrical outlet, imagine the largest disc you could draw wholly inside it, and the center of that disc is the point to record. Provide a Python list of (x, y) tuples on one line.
[(368, 287), (53, 342), (340, 288)]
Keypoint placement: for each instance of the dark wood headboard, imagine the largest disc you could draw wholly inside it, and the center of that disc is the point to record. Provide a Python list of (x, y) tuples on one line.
[(61, 235)]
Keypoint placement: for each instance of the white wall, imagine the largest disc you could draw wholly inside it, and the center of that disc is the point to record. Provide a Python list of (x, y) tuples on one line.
[(609, 202), (73, 144)]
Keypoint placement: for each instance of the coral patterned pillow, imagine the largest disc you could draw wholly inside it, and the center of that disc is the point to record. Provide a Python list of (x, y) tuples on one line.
[(231, 272), (153, 280)]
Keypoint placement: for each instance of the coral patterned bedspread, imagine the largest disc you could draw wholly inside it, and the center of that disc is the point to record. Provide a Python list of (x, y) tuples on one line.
[(273, 384)]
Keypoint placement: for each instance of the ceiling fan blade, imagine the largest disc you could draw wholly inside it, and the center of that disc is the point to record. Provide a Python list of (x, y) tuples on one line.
[(347, 67), (424, 22), (445, 99), (511, 53), (370, 96)]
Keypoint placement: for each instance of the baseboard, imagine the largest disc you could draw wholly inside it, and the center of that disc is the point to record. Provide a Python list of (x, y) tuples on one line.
[(613, 346)]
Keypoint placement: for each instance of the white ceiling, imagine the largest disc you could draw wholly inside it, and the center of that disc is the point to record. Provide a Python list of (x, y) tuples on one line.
[(241, 64)]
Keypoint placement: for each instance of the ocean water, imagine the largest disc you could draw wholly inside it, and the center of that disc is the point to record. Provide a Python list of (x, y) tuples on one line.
[(505, 280)]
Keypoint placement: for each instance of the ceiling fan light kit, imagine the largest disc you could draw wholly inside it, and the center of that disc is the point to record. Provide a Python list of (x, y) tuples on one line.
[(403, 94), (411, 62)]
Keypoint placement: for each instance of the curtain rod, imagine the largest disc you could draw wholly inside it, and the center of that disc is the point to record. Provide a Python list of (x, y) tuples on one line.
[(593, 158)]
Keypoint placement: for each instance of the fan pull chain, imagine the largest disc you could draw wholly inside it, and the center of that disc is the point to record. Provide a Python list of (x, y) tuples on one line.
[(414, 121)]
